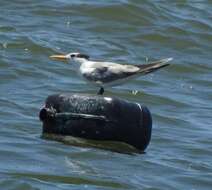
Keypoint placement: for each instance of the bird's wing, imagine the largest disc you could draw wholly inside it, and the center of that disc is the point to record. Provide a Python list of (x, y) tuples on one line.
[(106, 72), (110, 72), (153, 66)]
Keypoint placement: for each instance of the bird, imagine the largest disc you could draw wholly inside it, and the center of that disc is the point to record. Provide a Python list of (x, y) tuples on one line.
[(105, 73)]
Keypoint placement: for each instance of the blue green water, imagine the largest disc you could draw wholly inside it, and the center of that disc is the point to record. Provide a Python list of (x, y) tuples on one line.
[(179, 97)]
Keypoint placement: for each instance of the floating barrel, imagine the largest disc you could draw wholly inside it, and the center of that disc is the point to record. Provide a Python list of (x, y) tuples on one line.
[(98, 118)]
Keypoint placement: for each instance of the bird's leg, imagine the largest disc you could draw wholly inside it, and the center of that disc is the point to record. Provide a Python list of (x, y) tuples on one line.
[(101, 91)]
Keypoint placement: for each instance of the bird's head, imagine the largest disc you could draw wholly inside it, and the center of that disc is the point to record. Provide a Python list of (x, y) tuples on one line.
[(75, 57)]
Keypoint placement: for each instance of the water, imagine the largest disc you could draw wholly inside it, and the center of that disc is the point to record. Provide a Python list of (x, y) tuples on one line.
[(179, 97)]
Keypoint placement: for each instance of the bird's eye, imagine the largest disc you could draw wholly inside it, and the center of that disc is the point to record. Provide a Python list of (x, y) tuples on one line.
[(72, 55)]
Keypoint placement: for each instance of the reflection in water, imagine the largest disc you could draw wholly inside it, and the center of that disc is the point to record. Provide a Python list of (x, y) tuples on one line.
[(119, 147)]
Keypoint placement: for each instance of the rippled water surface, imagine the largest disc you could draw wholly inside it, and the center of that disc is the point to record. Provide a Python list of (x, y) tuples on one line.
[(179, 97)]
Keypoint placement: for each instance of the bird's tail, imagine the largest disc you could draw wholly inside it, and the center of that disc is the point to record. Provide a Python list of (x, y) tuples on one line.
[(153, 66)]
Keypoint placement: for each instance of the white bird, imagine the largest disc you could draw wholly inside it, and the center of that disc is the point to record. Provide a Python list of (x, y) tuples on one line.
[(107, 73)]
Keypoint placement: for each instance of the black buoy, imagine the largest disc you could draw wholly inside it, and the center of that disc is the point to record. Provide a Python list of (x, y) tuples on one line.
[(97, 118)]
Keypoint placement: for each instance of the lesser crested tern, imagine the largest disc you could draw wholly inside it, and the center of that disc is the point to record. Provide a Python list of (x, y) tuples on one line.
[(108, 73)]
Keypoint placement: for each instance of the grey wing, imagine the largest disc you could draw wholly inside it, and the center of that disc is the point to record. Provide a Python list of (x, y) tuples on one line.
[(106, 75), (113, 72)]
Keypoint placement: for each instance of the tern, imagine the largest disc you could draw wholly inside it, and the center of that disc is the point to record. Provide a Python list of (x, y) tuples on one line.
[(108, 73)]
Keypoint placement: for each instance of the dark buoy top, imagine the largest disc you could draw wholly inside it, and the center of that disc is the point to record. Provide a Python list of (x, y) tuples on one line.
[(98, 118)]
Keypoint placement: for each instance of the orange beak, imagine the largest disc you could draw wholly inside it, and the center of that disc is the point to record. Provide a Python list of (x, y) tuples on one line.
[(59, 57)]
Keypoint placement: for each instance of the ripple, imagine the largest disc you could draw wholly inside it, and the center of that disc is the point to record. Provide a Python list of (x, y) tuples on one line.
[(70, 180), (7, 29)]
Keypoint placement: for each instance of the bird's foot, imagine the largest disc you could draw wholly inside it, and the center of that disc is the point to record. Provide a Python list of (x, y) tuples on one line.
[(101, 91)]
